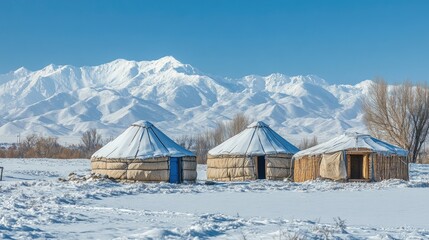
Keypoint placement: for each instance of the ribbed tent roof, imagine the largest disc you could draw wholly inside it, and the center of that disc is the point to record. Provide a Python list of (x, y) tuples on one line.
[(142, 140), (353, 140), (257, 139)]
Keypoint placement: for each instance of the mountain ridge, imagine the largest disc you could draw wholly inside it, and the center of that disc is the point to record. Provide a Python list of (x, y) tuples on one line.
[(64, 100)]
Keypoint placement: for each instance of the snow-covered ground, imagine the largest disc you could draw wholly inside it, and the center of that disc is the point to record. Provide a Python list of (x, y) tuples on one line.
[(34, 203)]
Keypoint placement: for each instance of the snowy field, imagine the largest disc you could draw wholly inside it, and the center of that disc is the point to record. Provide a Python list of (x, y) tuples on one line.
[(34, 203)]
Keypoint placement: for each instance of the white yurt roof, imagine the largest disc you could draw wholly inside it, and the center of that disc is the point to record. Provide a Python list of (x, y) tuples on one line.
[(353, 140), (256, 140), (142, 140)]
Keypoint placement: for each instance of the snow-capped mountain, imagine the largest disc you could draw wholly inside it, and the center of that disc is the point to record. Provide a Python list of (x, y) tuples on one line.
[(65, 101)]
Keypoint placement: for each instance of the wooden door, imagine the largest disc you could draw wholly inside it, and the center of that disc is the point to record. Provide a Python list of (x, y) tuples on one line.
[(356, 166)]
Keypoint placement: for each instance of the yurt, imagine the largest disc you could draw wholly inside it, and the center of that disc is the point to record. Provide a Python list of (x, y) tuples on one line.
[(351, 157), (144, 153), (255, 153)]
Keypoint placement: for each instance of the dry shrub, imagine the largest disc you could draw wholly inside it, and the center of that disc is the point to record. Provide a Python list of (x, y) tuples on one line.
[(200, 144), (34, 146), (308, 143)]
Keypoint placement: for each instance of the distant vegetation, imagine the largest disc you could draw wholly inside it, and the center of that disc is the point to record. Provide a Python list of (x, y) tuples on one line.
[(308, 143), (399, 115), (200, 144), (34, 146)]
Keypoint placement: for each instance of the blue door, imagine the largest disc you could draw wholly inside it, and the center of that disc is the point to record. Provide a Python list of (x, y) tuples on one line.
[(175, 170)]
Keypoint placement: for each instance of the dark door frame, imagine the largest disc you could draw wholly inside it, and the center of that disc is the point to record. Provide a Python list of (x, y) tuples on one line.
[(356, 166), (262, 167)]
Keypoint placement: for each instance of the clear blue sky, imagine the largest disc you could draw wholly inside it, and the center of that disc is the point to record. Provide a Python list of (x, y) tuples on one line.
[(341, 41)]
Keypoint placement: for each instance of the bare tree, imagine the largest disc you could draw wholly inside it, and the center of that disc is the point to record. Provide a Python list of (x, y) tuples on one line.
[(202, 146), (219, 134), (28, 143), (186, 141), (308, 143), (46, 147), (91, 141), (399, 115), (239, 123), (419, 115), (223, 130)]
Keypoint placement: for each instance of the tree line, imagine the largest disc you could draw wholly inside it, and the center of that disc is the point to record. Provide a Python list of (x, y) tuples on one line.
[(397, 114), (201, 143), (34, 146)]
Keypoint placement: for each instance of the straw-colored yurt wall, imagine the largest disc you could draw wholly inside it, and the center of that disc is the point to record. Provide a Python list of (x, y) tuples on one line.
[(189, 169), (147, 170), (279, 167), (306, 168), (387, 167), (239, 168), (376, 167), (230, 168)]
